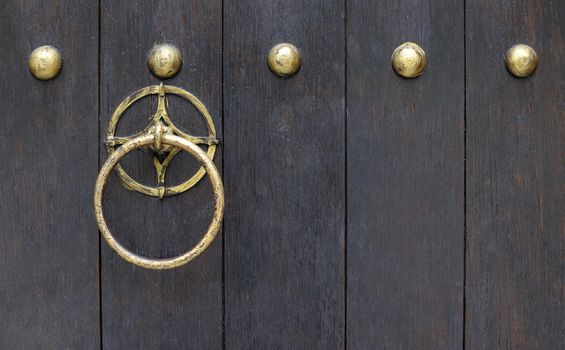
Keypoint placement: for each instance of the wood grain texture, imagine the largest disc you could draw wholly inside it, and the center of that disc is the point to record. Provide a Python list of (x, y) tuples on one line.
[(180, 308), (48, 239), (516, 176), (284, 167), (405, 176)]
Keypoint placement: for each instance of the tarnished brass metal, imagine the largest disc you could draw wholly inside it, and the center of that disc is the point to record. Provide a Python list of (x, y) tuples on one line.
[(164, 61), (45, 62), (161, 123), (409, 60), (160, 137), (284, 60), (521, 60)]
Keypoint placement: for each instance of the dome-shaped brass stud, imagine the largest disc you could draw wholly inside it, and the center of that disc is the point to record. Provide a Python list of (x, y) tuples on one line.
[(45, 62), (164, 61), (284, 60), (408, 60), (521, 60)]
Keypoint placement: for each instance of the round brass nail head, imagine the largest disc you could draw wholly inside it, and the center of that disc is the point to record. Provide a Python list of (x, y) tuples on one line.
[(521, 60), (284, 60), (164, 61), (45, 62), (408, 60)]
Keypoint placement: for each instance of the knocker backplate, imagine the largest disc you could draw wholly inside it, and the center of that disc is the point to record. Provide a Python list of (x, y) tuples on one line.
[(161, 116)]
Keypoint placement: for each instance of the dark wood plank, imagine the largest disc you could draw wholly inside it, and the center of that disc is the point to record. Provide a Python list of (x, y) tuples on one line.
[(405, 230), (48, 239), (181, 308), (285, 177), (516, 172)]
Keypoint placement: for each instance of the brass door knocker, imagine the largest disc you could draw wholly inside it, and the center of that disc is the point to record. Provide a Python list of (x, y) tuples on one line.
[(161, 135)]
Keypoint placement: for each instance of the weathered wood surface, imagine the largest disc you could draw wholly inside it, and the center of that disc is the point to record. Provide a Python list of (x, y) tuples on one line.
[(341, 230), (48, 137), (405, 175), (284, 167), (180, 308), (515, 178)]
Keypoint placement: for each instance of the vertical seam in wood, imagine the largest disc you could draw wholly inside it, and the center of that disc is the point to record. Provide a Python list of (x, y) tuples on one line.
[(98, 153), (464, 306), (345, 105), (222, 148)]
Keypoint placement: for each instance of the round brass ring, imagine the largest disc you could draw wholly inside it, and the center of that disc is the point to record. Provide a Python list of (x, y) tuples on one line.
[(210, 168), (153, 90)]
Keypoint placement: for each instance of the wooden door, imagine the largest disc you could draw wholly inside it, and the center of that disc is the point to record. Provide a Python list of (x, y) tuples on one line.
[(363, 210)]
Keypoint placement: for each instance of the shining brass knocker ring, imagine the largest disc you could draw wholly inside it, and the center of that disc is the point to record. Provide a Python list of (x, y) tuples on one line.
[(163, 137), (208, 165)]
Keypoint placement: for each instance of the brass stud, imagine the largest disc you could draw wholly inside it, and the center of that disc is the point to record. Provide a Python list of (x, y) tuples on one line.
[(45, 62), (408, 60), (521, 60), (284, 60), (164, 61)]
